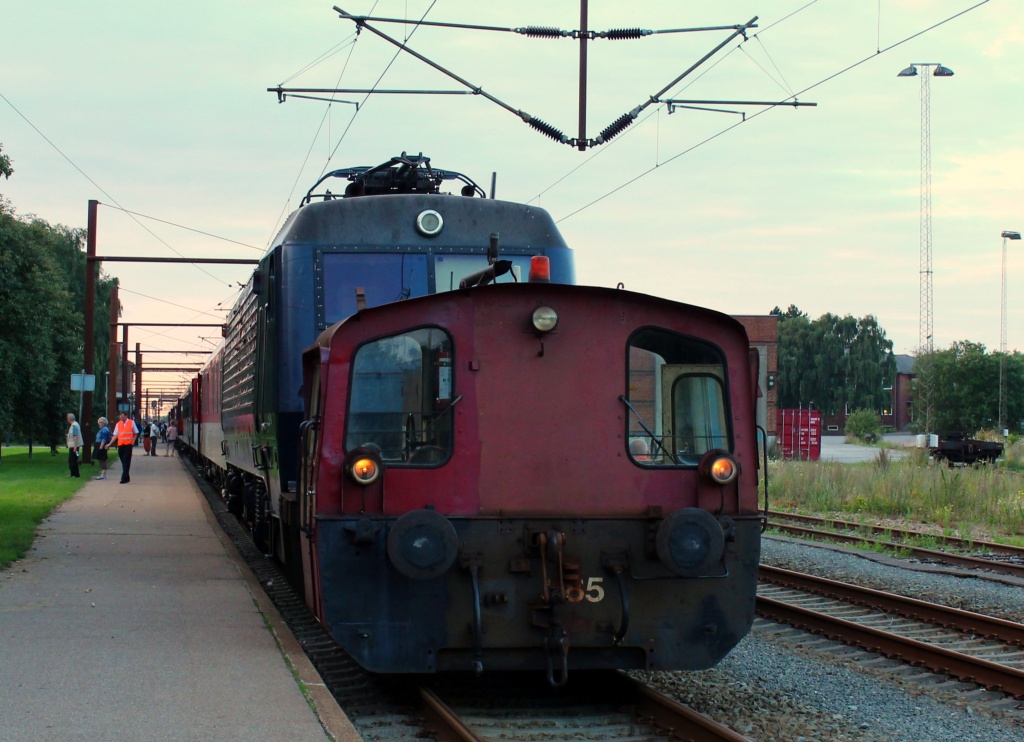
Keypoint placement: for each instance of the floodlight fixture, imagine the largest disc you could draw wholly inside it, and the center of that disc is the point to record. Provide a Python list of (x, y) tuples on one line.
[(939, 71)]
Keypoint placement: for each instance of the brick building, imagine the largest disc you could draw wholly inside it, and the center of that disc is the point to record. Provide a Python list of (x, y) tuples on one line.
[(900, 411), (763, 331)]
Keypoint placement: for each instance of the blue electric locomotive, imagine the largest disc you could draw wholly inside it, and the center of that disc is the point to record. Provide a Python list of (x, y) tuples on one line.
[(389, 235)]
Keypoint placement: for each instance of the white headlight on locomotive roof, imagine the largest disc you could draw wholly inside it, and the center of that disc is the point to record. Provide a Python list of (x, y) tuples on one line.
[(544, 319), (429, 223)]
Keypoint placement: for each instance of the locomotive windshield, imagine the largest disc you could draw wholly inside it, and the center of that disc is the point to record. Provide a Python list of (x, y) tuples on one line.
[(388, 277), (384, 278), (449, 270), (678, 404), (401, 398)]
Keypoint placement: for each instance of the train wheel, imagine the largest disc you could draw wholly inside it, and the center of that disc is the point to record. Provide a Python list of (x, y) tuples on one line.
[(234, 485)]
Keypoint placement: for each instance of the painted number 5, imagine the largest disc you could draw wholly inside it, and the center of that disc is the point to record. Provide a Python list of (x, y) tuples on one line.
[(594, 592)]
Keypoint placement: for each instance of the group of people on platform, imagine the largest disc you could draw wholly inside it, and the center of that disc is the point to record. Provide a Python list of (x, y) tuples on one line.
[(124, 436)]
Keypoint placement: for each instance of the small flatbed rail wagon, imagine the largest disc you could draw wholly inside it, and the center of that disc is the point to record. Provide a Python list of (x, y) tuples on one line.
[(957, 448)]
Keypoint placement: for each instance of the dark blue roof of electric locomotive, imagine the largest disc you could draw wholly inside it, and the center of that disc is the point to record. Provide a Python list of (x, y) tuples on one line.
[(390, 221)]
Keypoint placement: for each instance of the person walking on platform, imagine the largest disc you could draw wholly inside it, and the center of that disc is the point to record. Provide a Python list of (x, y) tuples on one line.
[(172, 436), (154, 436), (75, 444), (124, 434), (99, 453)]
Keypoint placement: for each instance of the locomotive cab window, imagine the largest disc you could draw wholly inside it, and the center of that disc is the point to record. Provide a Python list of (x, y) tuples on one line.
[(402, 396), (383, 278), (676, 389)]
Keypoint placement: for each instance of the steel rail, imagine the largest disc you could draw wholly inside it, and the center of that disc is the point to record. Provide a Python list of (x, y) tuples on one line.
[(443, 723), (931, 554), (676, 720), (945, 661), (650, 708), (903, 533), (988, 627)]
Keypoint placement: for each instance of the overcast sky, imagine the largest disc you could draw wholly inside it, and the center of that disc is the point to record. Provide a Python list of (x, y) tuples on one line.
[(161, 109)]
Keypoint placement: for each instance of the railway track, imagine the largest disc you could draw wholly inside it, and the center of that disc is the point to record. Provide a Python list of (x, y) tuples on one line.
[(596, 706), (968, 646), (1000, 558)]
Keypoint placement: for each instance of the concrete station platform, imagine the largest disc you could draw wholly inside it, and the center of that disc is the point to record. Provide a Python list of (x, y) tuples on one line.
[(133, 618)]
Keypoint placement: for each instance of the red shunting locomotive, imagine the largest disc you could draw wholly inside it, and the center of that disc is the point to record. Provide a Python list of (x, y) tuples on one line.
[(531, 476)]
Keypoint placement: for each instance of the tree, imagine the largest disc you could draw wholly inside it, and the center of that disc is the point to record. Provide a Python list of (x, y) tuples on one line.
[(792, 354), (833, 362), (1013, 384), (42, 269), (964, 383), (6, 168), (35, 347)]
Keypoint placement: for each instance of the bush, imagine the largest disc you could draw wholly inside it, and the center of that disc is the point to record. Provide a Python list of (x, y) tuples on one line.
[(989, 434), (1013, 456), (864, 425)]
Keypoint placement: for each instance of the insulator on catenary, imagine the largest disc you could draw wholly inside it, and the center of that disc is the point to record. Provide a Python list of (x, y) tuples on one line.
[(548, 130), (542, 32), (622, 33), (616, 127)]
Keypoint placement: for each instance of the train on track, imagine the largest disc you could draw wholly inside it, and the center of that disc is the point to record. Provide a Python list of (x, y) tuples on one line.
[(469, 463)]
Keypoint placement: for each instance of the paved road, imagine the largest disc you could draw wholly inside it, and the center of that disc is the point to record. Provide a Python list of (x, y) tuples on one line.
[(835, 448)]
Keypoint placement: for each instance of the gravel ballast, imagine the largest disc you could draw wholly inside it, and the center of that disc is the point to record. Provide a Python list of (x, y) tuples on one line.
[(777, 686)]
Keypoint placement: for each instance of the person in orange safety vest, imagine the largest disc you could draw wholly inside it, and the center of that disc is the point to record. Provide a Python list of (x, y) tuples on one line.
[(124, 436)]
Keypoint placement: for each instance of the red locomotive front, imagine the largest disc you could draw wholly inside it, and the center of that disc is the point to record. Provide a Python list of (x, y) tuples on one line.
[(531, 476)]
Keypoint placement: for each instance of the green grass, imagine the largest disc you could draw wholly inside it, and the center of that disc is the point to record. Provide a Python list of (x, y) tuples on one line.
[(30, 488), (1013, 457), (958, 500)]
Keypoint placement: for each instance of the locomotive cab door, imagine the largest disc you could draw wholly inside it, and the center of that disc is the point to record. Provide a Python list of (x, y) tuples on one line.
[(309, 443)]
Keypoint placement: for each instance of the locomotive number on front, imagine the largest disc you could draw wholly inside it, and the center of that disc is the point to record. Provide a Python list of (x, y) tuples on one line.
[(594, 592)]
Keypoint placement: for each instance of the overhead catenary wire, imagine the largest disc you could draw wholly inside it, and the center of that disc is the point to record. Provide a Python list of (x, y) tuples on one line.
[(298, 175), (541, 126), (381, 77), (181, 226), (692, 81), (358, 108), (98, 186), (756, 114), (595, 153), (163, 301)]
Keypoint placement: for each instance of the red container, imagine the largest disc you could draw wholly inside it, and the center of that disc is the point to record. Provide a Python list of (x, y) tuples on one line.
[(799, 434)]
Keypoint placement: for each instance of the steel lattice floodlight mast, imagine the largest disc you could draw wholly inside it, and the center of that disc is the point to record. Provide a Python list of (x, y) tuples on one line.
[(926, 331), (1007, 235), (926, 328)]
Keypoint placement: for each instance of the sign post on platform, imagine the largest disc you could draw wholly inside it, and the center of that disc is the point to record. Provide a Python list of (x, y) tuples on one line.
[(82, 383)]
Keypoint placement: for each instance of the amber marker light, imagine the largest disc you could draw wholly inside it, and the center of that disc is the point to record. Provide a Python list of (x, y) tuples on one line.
[(724, 470), (364, 470), (718, 466)]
